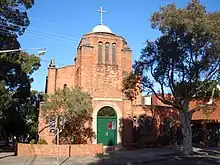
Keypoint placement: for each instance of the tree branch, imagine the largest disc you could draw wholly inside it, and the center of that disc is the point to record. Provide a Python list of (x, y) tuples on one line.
[(210, 102), (171, 79), (163, 100)]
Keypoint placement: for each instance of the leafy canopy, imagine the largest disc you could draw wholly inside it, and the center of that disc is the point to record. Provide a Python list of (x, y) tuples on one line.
[(16, 68), (185, 60), (75, 106), (13, 21)]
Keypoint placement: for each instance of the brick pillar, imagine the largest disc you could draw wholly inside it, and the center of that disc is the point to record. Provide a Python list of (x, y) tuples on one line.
[(51, 81)]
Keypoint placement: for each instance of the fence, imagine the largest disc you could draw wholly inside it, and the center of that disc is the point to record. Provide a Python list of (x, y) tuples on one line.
[(62, 150)]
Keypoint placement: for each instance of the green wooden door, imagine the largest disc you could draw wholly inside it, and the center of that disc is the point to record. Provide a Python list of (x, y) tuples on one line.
[(106, 136)]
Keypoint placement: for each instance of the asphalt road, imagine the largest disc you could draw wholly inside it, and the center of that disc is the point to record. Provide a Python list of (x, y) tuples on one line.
[(188, 161)]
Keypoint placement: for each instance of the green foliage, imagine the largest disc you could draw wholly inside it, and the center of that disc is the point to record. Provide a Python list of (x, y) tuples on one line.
[(131, 85), (75, 106), (185, 60), (33, 141), (30, 111), (14, 20), (16, 68), (42, 141)]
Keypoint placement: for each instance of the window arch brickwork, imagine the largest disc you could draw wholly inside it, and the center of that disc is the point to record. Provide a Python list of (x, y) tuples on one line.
[(100, 45), (113, 53), (107, 53)]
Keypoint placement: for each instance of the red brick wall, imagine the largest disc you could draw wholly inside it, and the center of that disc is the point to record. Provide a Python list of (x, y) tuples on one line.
[(64, 150), (215, 115), (86, 149)]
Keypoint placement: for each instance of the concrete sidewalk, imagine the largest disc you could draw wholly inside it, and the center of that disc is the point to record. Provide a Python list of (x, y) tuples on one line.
[(119, 157)]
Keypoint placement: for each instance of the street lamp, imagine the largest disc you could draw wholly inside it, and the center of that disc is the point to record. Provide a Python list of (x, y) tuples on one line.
[(41, 51)]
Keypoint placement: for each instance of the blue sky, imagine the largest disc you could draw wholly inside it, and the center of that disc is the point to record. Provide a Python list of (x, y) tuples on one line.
[(58, 26)]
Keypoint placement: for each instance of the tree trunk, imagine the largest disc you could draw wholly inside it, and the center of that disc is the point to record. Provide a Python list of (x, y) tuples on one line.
[(187, 132)]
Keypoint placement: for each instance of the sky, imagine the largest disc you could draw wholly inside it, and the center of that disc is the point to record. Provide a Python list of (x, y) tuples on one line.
[(59, 25)]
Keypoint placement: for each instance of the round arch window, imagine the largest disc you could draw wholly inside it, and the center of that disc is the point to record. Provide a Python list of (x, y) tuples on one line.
[(106, 111)]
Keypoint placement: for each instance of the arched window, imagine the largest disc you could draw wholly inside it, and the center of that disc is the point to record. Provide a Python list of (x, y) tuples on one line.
[(64, 86), (106, 111), (100, 52), (107, 49), (114, 53)]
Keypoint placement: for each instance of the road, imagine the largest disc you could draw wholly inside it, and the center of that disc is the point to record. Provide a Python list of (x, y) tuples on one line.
[(187, 161), (13, 160), (148, 156)]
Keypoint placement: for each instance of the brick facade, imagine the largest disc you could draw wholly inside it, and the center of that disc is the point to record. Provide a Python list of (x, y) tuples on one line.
[(62, 150), (103, 81)]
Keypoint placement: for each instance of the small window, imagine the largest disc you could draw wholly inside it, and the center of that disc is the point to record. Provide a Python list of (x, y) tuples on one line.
[(100, 52), (64, 86), (107, 49), (146, 124), (114, 53), (167, 126)]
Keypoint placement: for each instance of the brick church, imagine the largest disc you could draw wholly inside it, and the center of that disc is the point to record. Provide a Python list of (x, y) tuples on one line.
[(102, 59)]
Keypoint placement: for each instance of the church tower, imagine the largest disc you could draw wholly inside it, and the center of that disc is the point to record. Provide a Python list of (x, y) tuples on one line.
[(102, 57), (101, 62)]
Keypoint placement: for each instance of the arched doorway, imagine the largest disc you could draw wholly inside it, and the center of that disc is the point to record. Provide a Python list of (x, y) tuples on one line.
[(107, 126)]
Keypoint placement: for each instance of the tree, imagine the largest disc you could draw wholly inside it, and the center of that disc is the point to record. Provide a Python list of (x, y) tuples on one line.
[(75, 107), (15, 67), (15, 92), (13, 21), (183, 63), (29, 112)]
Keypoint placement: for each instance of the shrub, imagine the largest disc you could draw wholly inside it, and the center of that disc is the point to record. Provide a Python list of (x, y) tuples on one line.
[(42, 141), (33, 141)]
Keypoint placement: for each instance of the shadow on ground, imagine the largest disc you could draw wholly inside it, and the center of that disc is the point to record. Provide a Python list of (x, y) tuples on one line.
[(137, 156), (6, 151)]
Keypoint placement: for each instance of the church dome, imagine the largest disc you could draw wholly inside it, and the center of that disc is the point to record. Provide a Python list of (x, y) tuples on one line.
[(101, 28)]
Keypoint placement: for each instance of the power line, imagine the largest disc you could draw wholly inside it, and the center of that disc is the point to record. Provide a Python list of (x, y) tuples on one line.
[(52, 37), (41, 30), (47, 34), (54, 34), (47, 37)]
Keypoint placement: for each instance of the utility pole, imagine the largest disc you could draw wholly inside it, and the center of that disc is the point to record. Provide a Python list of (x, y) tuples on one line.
[(60, 123), (58, 137)]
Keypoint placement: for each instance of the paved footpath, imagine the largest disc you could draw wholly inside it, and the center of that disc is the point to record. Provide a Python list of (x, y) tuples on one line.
[(120, 157)]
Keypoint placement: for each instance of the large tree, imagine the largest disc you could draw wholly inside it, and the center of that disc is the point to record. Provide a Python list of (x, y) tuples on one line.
[(15, 92), (13, 21), (29, 112), (15, 67), (183, 64), (75, 107)]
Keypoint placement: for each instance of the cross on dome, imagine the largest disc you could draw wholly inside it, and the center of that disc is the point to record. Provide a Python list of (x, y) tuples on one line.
[(101, 11), (101, 27)]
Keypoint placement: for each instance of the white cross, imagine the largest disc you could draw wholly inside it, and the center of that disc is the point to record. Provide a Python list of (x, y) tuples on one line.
[(101, 11)]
